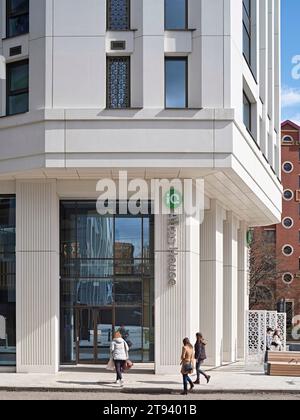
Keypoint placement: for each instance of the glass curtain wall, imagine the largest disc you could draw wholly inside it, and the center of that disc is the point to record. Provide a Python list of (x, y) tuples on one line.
[(107, 283), (7, 281)]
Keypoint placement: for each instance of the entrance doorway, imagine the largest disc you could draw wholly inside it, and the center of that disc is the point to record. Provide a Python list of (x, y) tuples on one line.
[(107, 283), (93, 335)]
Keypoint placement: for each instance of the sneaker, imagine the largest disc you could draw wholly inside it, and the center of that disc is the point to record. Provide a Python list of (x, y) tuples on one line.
[(208, 379), (121, 382), (117, 382)]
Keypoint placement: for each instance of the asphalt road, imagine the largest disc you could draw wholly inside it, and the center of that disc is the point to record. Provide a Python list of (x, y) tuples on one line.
[(135, 397)]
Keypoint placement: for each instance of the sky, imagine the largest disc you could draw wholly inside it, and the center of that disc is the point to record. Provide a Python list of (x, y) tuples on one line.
[(290, 50)]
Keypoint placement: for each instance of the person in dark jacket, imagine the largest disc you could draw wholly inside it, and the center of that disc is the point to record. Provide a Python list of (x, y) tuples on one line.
[(200, 356)]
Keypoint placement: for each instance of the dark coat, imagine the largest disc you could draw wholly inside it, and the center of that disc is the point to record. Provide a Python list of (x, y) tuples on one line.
[(200, 353)]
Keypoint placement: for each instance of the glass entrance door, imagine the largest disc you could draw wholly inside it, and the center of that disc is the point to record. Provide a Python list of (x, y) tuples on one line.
[(94, 332)]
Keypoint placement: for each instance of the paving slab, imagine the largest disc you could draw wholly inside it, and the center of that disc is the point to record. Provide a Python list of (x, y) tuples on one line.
[(230, 379)]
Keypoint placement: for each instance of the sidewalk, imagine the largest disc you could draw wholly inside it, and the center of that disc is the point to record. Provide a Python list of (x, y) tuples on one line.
[(233, 379)]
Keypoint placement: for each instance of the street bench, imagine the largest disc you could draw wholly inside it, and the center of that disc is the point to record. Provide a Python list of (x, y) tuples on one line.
[(283, 364)]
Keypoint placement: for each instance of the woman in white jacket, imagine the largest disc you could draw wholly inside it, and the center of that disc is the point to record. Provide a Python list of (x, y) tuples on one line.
[(119, 352)]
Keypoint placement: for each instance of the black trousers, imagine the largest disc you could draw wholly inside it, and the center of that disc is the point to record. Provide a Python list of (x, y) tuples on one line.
[(118, 366)]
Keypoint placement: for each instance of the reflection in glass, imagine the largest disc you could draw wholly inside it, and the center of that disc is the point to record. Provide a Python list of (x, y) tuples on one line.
[(129, 320), (17, 17), (128, 241), (87, 292), (7, 282), (117, 290), (175, 14), (68, 336), (176, 78), (86, 335), (95, 236), (104, 333), (128, 292)]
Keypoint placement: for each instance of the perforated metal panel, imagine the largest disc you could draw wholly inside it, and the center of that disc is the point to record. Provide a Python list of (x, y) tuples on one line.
[(118, 15), (118, 82)]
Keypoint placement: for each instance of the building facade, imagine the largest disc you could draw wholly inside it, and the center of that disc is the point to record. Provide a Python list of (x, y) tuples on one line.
[(283, 288), (162, 89)]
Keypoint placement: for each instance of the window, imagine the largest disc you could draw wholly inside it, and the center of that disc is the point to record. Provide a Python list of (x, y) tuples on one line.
[(288, 222), (17, 87), (118, 15), (247, 30), (7, 281), (118, 82), (176, 82), (288, 195), (299, 236), (287, 167), (287, 139), (287, 278), (176, 15), (269, 236), (107, 273), (247, 112), (17, 21), (287, 250)]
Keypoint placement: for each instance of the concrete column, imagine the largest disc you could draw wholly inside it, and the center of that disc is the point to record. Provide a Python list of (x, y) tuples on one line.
[(153, 69), (176, 307), (230, 288), (211, 282), (243, 285), (37, 280)]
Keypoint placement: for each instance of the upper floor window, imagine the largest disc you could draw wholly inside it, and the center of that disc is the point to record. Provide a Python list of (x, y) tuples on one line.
[(287, 140), (176, 82), (247, 30), (17, 13), (176, 15), (118, 82), (247, 112), (118, 15), (17, 87)]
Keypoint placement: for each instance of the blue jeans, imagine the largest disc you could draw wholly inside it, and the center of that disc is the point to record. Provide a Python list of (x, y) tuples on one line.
[(186, 380), (199, 371)]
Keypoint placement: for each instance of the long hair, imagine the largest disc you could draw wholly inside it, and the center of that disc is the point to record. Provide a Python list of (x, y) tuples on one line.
[(186, 342)]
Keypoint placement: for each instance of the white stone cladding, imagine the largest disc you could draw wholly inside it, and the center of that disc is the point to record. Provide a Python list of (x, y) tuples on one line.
[(69, 140)]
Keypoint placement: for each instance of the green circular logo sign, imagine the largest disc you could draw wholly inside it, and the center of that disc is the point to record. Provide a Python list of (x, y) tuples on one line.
[(173, 199)]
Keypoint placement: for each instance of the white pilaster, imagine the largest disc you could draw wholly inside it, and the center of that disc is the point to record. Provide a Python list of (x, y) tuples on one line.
[(230, 288), (176, 307), (243, 292), (37, 280), (211, 282)]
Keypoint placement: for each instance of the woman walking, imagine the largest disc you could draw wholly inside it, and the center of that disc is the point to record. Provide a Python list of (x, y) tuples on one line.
[(200, 356), (187, 365), (119, 352)]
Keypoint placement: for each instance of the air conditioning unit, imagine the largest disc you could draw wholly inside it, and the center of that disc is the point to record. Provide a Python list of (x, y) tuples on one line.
[(297, 196)]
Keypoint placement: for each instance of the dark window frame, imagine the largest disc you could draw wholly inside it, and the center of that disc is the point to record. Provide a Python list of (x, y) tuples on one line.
[(249, 32), (186, 80), (11, 275), (11, 15), (108, 17), (16, 92), (110, 59), (186, 17)]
